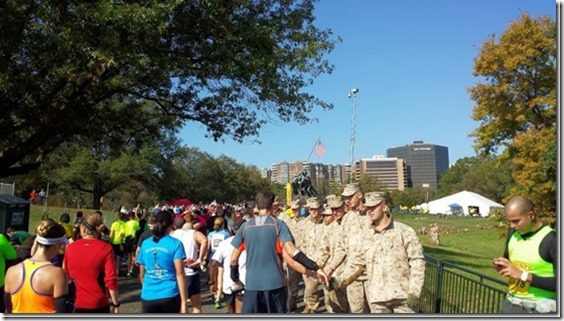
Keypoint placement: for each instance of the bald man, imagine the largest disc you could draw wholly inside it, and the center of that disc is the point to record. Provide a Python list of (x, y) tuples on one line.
[(529, 260)]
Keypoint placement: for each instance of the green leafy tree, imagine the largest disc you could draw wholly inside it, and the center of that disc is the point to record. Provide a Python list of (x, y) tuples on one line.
[(201, 177), (370, 184), (490, 176), (279, 190), (229, 65), (451, 180), (92, 171), (410, 197), (516, 104)]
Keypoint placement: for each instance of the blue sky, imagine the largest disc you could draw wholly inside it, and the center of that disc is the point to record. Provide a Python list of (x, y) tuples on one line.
[(412, 62)]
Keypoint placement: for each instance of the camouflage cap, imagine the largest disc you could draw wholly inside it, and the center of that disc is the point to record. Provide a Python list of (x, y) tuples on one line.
[(373, 199), (326, 210), (350, 189), (296, 204), (335, 202), (330, 196), (313, 203)]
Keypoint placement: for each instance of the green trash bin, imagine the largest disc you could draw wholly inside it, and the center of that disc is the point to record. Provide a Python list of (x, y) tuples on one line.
[(14, 211)]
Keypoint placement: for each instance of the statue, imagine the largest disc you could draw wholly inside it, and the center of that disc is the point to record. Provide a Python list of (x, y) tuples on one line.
[(434, 234), (301, 185)]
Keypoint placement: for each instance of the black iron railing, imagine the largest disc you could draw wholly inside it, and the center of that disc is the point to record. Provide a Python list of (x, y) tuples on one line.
[(450, 288)]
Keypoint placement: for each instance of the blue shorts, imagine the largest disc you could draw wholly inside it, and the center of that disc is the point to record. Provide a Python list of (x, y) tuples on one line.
[(271, 301)]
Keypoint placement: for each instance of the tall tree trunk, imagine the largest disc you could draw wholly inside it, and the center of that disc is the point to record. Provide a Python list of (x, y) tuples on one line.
[(97, 194)]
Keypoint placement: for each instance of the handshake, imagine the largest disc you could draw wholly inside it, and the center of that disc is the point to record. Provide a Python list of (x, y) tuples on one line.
[(190, 263)]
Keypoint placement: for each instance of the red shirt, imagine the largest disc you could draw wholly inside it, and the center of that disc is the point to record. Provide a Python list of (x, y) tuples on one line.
[(91, 264)]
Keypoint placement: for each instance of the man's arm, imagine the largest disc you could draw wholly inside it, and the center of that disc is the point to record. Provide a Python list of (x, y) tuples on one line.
[(235, 257), (507, 238), (414, 251), (294, 265), (548, 252), (339, 253)]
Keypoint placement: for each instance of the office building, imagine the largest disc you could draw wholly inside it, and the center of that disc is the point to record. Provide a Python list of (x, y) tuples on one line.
[(425, 163), (391, 173)]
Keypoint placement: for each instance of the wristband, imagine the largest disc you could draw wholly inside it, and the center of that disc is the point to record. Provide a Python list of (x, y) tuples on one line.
[(305, 261), (234, 272), (524, 276), (115, 305)]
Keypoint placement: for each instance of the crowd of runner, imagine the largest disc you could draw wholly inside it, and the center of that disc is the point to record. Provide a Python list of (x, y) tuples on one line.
[(255, 254)]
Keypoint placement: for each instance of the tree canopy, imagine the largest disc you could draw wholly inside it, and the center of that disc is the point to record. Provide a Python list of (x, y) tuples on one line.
[(229, 65), (515, 104), (485, 175)]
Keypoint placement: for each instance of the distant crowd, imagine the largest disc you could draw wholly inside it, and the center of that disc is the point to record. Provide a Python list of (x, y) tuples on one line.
[(254, 255)]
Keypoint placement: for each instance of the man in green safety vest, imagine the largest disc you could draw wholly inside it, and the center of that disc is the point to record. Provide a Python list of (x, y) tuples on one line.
[(529, 260)]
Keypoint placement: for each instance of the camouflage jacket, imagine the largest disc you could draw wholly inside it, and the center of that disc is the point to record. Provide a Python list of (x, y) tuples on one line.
[(312, 243), (354, 228), (333, 237), (394, 263), (296, 230)]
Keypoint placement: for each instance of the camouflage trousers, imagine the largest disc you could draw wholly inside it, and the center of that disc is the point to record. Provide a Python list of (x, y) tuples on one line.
[(392, 306), (336, 300), (356, 296), (311, 296), (293, 288)]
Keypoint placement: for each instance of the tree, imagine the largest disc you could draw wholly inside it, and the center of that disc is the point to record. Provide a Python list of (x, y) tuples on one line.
[(516, 104), (410, 197), (451, 180), (486, 175), (96, 172), (201, 177), (229, 65), (370, 184)]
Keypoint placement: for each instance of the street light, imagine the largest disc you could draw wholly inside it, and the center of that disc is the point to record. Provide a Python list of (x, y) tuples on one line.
[(352, 95), (426, 187)]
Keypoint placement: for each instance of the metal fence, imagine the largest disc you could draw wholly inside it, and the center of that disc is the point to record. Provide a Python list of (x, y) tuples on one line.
[(450, 288)]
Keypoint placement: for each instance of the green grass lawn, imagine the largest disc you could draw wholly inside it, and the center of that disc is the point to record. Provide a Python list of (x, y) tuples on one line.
[(469, 242), (36, 215)]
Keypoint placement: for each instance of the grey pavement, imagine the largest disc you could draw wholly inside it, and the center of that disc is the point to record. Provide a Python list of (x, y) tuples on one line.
[(130, 289)]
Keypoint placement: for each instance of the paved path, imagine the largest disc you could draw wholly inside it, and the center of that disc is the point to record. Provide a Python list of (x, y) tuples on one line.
[(129, 289)]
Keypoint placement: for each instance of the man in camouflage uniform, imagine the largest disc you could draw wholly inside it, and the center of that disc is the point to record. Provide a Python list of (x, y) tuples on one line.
[(294, 277), (312, 235), (335, 295), (354, 223), (394, 260)]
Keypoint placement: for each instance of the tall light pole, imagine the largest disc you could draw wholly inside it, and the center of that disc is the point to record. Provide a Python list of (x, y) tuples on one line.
[(352, 95)]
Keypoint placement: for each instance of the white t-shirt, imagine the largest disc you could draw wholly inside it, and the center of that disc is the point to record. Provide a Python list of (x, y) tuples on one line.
[(190, 247), (223, 256)]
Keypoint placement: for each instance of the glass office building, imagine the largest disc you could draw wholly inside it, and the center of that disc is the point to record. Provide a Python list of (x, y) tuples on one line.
[(425, 163)]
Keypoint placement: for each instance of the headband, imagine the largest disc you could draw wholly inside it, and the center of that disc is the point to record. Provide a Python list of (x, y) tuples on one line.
[(89, 227), (51, 241)]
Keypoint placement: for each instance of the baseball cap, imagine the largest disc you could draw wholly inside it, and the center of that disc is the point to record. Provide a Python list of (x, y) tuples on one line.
[(373, 199), (295, 204), (350, 189), (313, 203), (335, 202)]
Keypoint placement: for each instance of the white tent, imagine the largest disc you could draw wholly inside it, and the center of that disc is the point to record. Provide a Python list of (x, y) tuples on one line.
[(462, 201)]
